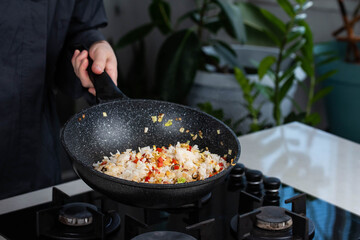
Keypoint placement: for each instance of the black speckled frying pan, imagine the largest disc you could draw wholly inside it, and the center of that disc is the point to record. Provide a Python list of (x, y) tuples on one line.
[(120, 124)]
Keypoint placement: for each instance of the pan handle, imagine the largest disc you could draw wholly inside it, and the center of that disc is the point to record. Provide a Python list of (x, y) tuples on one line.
[(105, 88)]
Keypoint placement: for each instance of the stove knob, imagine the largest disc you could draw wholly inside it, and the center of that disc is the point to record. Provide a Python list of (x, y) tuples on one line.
[(253, 177), (271, 187), (237, 172), (254, 182), (271, 200), (272, 184)]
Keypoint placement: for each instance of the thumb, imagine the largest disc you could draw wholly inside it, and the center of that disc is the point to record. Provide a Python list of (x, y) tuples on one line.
[(99, 63)]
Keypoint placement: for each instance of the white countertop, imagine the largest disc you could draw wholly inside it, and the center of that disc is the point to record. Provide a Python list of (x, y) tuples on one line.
[(311, 160)]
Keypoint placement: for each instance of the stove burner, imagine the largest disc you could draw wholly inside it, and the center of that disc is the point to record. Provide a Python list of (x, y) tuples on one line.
[(272, 222), (273, 218), (163, 235), (76, 220), (76, 214)]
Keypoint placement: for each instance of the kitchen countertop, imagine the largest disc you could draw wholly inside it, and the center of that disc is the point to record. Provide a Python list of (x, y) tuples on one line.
[(311, 160), (306, 158)]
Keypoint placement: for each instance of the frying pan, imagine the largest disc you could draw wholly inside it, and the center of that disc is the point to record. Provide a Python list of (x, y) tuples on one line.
[(120, 123)]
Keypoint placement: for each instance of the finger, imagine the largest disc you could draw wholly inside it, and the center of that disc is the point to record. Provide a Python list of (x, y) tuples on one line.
[(92, 91), (99, 63), (84, 75), (78, 60), (76, 53), (111, 69)]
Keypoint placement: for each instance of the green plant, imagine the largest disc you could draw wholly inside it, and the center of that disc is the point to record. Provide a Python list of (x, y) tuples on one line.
[(182, 54), (293, 38)]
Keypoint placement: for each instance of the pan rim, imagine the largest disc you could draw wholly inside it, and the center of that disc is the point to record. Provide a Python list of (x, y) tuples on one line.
[(140, 184)]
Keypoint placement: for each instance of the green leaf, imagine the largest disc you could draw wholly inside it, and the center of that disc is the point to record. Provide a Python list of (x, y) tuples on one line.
[(284, 89), (187, 15), (313, 119), (266, 91), (225, 51), (322, 93), (213, 24), (258, 28), (160, 14), (243, 82), (301, 1), (233, 20), (306, 66), (207, 60), (303, 86), (294, 48), (327, 60), (135, 35), (288, 8), (289, 72), (176, 65), (240, 77), (208, 108), (295, 117), (326, 75), (274, 20), (225, 45), (308, 49), (296, 105), (292, 35), (265, 65)]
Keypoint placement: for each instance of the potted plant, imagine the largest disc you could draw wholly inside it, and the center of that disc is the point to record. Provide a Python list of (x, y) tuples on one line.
[(182, 54), (342, 103), (276, 75)]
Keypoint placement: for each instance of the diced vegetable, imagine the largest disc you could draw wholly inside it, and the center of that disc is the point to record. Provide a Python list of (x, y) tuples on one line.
[(181, 180)]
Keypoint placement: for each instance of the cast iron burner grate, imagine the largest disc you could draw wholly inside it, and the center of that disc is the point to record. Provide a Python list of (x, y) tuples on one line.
[(273, 222), (75, 220)]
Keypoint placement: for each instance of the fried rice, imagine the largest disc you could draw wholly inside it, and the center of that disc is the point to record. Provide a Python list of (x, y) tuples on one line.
[(175, 164)]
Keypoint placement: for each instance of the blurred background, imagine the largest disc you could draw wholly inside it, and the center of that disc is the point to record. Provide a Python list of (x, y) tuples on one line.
[(261, 63)]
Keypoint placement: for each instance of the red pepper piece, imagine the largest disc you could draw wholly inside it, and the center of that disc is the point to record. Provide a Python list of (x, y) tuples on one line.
[(189, 148), (176, 167), (159, 149)]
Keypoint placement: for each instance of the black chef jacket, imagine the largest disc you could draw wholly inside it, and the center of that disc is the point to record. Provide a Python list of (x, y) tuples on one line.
[(35, 38)]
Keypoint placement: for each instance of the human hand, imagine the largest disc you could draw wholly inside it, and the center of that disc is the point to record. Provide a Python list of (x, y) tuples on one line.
[(104, 59)]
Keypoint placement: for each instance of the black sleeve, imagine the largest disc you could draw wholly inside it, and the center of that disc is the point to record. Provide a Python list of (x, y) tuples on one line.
[(87, 17)]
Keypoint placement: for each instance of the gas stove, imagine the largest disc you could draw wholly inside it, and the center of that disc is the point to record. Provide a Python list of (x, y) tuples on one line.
[(247, 205)]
